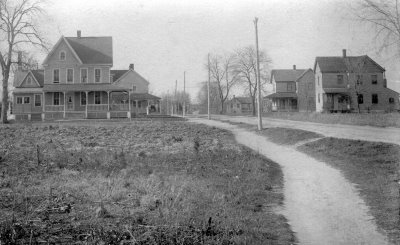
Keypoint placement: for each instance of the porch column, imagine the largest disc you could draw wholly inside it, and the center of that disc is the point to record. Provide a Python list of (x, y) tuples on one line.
[(148, 109), (137, 106), (129, 104), (108, 105), (65, 104), (86, 104), (44, 106)]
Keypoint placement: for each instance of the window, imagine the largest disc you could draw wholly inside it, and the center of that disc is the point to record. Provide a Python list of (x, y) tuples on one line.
[(38, 100), (290, 87), (374, 79), (70, 75), (359, 79), (29, 81), (97, 98), (84, 74), (62, 55), (310, 86), (56, 98), (97, 75), (391, 100), (56, 76), (19, 100), (133, 88), (340, 79), (27, 100), (319, 99), (83, 98), (360, 99), (374, 99), (318, 80)]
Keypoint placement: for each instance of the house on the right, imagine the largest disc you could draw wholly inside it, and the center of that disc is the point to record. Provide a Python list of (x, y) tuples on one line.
[(352, 83)]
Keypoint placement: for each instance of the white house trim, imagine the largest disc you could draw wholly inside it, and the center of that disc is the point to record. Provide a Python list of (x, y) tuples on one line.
[(55, 47)]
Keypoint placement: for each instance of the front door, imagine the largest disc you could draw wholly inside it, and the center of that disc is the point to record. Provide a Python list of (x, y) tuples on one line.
[(70, 103)]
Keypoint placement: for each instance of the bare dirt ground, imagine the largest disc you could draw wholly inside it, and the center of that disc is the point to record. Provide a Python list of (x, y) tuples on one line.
[(93, 182), (367, 133), (321, 205)]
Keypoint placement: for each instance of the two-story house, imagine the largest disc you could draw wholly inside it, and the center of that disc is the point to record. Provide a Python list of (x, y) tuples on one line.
[(352, 83), (293, 90), (77, 82)]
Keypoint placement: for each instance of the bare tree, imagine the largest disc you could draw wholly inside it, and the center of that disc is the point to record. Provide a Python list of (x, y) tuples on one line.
[(384, 16), (214, 97), (245, 69), (18, 30), (221, 69)]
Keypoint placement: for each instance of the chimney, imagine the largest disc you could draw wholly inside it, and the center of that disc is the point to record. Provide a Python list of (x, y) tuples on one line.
[(19, 61), (78, 33), (131, 66), (344, 53), (294, 67)]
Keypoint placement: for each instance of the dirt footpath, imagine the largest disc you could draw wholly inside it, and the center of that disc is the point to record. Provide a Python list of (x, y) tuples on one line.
[(367, 133), (321, 205)]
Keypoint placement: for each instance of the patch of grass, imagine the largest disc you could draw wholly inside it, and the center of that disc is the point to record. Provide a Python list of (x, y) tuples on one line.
[(370, 119), (373, 167), (140, 182)]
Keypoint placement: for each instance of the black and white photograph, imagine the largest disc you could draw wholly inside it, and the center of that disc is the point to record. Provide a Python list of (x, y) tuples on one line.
[(200, 122)]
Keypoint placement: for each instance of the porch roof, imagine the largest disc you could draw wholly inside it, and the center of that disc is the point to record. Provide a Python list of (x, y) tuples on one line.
[(144, 96), (281, 95), (81, 87), (336, 90), (27, 90)]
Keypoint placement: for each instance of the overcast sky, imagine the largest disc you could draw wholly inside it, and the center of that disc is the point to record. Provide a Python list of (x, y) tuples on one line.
[(164, 38)]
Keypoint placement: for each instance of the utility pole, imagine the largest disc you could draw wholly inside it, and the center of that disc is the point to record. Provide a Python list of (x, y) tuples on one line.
[(175, 100), (258, 79), (208, 88), (184, 93), (167, 105)]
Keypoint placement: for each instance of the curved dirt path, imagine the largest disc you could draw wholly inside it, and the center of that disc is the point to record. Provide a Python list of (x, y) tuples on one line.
[(354, 132), (321, 205)]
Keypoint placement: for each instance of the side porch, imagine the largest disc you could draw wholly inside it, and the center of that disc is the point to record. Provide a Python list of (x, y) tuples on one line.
[(336, 102)]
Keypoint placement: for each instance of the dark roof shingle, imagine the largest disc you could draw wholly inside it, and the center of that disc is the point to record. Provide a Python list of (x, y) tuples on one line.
[(286, 75), (92, 50), (337, 64)]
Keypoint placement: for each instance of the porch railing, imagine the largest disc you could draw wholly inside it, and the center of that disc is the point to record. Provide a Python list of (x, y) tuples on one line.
[(54, 107), (100, 107), (120, 107)]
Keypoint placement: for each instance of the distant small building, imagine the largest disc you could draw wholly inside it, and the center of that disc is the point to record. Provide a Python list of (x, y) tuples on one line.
[(239, 105), (293, 90), (351, 83)]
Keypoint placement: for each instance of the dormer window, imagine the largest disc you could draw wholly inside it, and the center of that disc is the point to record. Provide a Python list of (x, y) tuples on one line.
[(62, 55)]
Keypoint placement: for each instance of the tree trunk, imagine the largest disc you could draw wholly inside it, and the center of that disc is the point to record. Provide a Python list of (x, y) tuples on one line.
[(4, 106), (222, 107), (253, 98)]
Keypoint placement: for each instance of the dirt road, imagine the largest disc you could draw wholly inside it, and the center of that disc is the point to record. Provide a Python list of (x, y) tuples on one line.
[(388, 135), (321, 205)]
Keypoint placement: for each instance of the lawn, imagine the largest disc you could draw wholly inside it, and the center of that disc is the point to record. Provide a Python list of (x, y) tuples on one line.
[(369, 119), (136, 183)]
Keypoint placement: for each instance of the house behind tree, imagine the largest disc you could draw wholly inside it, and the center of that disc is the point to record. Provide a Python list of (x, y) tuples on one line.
[(352, 83), (77, 82)]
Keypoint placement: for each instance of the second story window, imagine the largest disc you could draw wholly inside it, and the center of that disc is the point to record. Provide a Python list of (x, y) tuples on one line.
[(374, 79), (70, 75), (359, 79), (62, 55), (374, 99), (290, 87), (391, 100), (56, 76), (97, 75), (84, 75), (360, 99), (134, 88), (340, 79)]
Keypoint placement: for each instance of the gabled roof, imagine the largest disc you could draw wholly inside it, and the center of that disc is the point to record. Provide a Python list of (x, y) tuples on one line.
[(286, 75), (92, 50), (87, 50), (38, 76), (243, 100), (116, 74), (338, 64), (122, 73), (305, 72)]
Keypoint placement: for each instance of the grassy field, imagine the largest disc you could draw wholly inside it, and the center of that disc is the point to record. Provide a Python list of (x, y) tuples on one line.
[(374, 168), (135, 183), (371, 119)]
